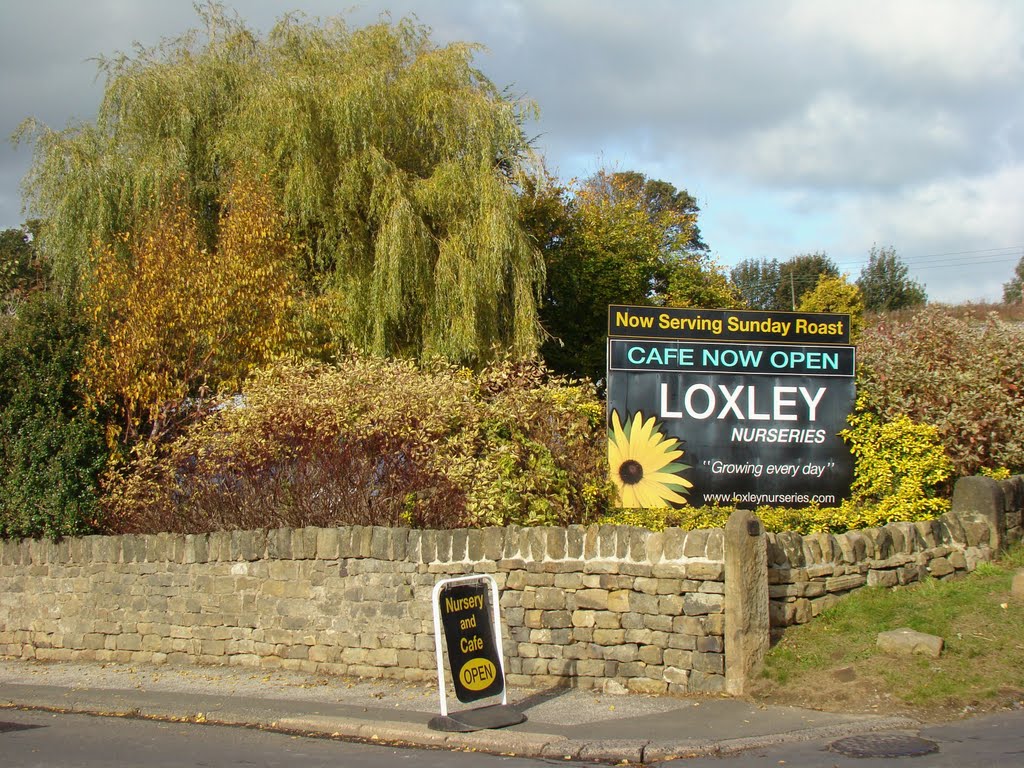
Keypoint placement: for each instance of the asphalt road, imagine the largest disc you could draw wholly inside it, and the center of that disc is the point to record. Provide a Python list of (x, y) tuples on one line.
[(991, 741), (38, 739), (35, 739)]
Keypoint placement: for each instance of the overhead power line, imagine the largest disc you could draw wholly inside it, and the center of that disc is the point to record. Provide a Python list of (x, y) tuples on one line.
[(945, 260), (953, 258)]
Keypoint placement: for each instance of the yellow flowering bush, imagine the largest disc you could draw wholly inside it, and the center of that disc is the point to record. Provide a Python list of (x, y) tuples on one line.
[(901, 470)]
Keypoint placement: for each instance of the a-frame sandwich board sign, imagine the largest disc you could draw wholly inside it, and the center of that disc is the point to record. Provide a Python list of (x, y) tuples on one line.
[(466, 609)]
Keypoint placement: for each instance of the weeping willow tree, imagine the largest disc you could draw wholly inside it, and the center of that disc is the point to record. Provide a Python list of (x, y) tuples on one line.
[(395, 161)]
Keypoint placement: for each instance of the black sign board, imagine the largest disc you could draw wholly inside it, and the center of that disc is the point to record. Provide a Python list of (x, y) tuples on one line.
[(717, 406), (473, 654)]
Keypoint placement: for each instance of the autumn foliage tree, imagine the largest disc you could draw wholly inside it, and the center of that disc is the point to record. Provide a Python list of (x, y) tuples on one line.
[(396, 164), (616, 238), (886, 284), (837, 294), (175, 320)]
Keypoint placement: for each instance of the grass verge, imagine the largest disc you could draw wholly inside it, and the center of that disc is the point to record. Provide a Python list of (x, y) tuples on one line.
[(832, 663)]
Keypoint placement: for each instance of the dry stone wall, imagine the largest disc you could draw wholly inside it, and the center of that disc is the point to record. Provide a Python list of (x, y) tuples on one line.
[(602, 607), (606, 607), (808, 574)]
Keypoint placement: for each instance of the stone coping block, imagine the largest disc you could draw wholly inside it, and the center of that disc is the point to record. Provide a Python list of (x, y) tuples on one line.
[(985, 514), (596, 548)]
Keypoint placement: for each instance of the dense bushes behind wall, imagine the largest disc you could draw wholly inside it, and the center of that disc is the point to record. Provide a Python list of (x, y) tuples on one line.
[(377, 442), (382, 442), (961, 375), (52, 450)]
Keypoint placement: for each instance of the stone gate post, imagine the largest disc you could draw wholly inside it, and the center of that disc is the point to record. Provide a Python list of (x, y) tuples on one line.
[(747, 626)]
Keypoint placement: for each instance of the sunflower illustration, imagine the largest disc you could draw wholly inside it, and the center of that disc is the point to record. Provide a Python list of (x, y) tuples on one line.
[(642, 464)]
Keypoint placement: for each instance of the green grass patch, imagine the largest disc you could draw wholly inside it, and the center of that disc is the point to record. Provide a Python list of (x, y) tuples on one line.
[(833, 661)]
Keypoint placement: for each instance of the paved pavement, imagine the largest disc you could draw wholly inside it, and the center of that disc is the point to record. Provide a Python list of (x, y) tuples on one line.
[(562, 723)]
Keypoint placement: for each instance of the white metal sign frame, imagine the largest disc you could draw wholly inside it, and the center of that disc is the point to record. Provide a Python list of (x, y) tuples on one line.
[(438, 647)]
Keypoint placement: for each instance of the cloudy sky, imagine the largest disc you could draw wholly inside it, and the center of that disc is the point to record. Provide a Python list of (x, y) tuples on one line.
[(799, 125)]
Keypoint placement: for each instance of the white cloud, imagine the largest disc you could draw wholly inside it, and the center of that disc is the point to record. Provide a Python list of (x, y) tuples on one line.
[(981, 210), (838, 142), (962, 236), (917, 41), (896, 121)]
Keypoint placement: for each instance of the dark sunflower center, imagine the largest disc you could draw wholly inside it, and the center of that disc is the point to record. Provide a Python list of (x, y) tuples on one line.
[(631, 472)]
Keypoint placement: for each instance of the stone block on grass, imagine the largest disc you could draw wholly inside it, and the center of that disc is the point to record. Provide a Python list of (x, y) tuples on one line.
[(1018, 583), (906, 641)]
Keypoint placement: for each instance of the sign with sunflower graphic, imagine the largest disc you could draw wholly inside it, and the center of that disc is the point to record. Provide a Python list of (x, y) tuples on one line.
[(727, 406), (645, 463)]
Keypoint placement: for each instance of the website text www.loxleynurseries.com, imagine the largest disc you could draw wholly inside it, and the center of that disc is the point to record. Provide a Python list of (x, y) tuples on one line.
[(769, 498)]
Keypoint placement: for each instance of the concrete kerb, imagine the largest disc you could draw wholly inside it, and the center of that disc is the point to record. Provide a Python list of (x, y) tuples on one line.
[(511, 743)]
